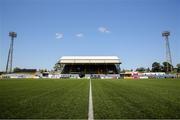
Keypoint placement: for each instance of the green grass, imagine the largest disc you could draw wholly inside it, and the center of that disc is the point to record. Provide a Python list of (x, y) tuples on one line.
[(68, 99), (62, 99), (114, 99)]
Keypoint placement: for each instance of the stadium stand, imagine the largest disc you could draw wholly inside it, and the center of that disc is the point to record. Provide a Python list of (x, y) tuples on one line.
[(89, 66)]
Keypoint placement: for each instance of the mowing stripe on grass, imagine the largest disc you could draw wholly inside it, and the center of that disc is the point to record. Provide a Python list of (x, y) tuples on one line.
[(90, 113), (44, 99)]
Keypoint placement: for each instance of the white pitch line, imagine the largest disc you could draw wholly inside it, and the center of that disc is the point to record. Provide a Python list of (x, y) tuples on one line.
[(90, 113)]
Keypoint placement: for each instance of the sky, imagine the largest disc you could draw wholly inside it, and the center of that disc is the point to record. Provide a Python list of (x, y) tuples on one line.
[(49, 29)]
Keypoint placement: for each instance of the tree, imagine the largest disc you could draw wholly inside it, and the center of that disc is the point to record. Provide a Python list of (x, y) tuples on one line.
[(178, 68), (123, 71), (141, 69), (57, 66), (156, 67), (167, 67), (43, 70), (148, 69), (126, 70), (17, 69)]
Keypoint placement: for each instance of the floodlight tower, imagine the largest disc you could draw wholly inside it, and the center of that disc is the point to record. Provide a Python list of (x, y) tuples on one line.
[(168, 52), (10, 53)]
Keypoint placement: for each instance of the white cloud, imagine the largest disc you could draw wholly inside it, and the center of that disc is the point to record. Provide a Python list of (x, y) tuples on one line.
[(103, 30), (59, 35), (80, 35)]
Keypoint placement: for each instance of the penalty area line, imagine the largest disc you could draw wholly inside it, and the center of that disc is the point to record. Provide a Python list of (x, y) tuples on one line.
[(90, 112)]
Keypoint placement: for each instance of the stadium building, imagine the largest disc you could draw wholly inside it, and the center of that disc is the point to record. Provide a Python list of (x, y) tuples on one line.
[(89, 66)]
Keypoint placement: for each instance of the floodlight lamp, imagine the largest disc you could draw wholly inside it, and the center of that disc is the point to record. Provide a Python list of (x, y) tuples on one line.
[(166, 33), (12, 34)]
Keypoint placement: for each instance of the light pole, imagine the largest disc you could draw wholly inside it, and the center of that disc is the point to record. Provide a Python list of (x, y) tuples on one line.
[(168, 52), (10, 53)]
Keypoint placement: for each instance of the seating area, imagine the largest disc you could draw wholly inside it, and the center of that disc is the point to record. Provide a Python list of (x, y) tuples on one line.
[(90, 69)]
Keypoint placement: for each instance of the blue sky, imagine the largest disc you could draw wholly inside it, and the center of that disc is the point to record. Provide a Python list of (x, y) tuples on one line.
[(49, 29)]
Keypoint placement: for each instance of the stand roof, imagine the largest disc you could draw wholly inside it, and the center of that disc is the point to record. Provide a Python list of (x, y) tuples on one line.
[(89, 59)]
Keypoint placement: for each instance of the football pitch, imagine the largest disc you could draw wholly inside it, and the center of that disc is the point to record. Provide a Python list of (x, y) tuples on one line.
[(69, 99)]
